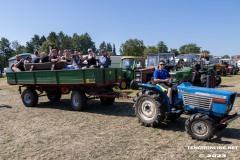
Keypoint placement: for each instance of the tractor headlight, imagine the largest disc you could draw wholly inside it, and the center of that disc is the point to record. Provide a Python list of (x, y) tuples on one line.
[(229, 107)]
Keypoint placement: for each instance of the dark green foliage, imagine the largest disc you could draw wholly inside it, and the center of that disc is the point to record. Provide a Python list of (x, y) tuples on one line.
[(150, 49), (189, 48), (5, 52), (132, 47), (174, 51), (162, 47)]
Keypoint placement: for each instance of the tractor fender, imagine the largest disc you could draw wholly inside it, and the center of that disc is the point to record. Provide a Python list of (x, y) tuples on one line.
[(159, 90)]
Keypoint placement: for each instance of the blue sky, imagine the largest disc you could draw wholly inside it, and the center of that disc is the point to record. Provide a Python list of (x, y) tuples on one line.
[(213, 25)]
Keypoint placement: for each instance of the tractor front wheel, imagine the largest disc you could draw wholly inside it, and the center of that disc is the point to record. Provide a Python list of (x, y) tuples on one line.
[(123, 84), (134, 85), (200, 126)]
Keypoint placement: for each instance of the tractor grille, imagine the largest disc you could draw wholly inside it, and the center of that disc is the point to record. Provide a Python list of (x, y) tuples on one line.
[(138, 76), (197, 101)]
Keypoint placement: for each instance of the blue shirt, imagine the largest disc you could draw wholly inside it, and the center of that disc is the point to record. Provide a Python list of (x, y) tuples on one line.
[(104, 61), (161, 74)]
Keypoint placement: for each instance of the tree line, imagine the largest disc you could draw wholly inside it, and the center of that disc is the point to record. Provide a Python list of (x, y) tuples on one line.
[(61, 41)]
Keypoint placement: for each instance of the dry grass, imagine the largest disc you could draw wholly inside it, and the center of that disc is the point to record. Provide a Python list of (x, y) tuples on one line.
[(53, 131)]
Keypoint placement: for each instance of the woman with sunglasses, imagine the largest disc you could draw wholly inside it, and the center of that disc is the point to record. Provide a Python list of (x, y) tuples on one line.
[(91, 59), (163, 78)]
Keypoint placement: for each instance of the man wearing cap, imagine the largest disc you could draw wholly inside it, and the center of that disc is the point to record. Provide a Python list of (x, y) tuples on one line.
[(104, 60)]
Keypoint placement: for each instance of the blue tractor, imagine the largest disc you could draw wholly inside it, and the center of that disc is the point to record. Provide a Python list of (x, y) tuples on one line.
[(209, 108)]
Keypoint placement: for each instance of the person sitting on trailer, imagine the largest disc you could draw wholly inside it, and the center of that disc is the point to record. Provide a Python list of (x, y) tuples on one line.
[(68, 60), (91, 59), (28, 60), (36, 59), (78, 60), (44, 57), (104, 60), (18, 65), (54, 56)]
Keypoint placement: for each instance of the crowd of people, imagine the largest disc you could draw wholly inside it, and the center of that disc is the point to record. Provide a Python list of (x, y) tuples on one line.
[(72, 61)]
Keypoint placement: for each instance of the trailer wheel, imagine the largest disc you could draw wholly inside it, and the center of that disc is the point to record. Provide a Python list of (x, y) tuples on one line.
[(123, 84), (200, 127), (149, 108), (54, 96), (29, 97), (78, 100), (107, 100)]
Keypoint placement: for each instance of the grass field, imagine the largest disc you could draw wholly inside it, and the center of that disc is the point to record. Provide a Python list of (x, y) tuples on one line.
[(54, 131)]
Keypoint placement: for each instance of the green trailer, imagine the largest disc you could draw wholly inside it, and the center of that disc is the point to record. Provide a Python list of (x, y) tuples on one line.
[(83, 84)]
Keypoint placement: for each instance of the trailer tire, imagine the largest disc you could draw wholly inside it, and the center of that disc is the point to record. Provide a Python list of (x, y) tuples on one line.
[(200, 127), (78, 100), (149, 108), (54, 96), (29, 97)]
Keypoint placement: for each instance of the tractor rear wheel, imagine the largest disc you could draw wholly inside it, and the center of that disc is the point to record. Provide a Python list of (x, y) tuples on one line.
[(200, 126), (149, 108)]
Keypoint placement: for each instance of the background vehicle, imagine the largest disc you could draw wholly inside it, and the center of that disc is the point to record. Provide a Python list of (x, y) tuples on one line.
[(230, 66), (154, 58), (209, 108), (145, 75), (129, 64), (188, 58)]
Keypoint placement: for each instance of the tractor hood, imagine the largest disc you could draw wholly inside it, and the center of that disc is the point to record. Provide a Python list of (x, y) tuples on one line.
[(213, 101), (186, 86)]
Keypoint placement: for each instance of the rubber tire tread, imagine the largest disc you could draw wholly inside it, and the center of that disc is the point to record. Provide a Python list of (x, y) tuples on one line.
[(205, 118)]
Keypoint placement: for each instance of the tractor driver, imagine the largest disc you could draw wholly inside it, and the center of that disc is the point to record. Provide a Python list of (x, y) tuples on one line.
[(163, 78)]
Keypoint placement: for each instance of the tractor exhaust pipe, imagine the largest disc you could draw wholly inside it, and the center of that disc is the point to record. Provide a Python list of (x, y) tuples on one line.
[(211, 80)]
